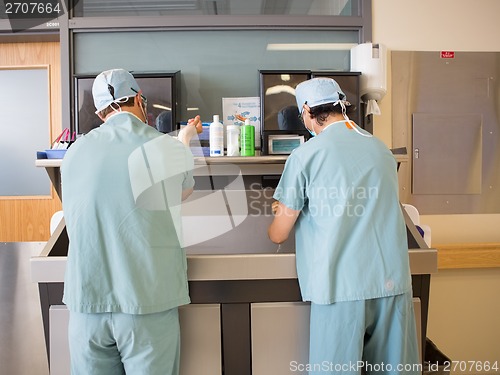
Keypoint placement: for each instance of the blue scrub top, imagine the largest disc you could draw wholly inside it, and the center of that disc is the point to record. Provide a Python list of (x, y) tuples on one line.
[(351, 239), (124, 249)]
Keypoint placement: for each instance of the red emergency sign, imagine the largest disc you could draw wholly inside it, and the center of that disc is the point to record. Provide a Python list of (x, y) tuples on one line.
[(447, 54)]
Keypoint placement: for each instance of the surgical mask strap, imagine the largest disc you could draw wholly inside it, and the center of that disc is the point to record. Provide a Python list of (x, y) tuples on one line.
[(312, 132), (344, 110), (344, 114), (144, 113), (118, 109), (143, 104), (363, 134)]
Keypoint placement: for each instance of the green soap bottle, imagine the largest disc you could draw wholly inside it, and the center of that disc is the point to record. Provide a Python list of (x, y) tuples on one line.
[(247, 139)]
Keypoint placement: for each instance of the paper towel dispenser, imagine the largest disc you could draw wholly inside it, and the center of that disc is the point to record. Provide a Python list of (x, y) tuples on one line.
[(371, 60)]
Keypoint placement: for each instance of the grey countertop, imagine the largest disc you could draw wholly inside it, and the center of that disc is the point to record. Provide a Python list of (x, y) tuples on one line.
[(258, 159), (50, 269)]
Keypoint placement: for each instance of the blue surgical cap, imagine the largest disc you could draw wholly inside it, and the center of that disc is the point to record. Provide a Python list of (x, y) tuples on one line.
[(318, 91), (113, 86)]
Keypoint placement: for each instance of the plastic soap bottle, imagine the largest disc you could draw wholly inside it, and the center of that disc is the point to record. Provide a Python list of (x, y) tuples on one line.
[(233, 140), (216, 137), (247, 139)]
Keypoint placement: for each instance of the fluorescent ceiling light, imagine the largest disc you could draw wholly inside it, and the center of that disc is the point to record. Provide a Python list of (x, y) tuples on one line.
[(159, 106), (278, 89), (310, 46)]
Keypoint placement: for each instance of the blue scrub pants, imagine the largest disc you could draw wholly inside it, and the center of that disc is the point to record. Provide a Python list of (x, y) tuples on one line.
[(117, 344), (379, 334)]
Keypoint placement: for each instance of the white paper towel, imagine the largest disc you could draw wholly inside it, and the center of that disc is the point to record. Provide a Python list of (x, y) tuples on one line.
[(372, 108)]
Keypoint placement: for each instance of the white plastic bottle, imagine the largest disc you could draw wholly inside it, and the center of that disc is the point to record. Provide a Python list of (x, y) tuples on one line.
[(216, 137), (233, 140)]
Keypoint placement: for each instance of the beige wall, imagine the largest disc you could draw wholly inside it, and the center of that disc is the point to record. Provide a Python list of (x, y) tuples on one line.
[(464, 308), (464, 315)]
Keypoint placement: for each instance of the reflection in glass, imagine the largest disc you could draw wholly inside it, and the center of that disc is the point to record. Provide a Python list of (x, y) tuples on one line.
[(279, 104), (99, 8), (158, 87), (289, 120)]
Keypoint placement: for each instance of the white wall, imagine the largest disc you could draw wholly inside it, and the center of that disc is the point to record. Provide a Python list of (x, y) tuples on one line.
[(464, 307)]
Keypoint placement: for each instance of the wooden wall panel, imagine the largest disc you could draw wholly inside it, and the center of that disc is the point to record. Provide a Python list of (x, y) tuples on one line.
[(468, 255), (28, 219)]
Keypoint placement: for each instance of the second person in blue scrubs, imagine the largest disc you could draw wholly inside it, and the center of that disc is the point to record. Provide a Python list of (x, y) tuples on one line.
[(339, 191)]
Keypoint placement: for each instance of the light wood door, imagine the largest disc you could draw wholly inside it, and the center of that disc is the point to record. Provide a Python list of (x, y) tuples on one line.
[(28, 218)]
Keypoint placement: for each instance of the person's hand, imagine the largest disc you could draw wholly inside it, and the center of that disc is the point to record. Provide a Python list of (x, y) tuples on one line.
[(274, 207), (196, 122), (193, 127)]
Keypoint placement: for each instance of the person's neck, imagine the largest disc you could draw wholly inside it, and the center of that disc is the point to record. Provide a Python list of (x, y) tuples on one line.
[(133, 110), (334, 117)]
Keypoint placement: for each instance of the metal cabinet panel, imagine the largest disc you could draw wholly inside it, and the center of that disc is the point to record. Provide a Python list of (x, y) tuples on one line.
[(447, 153), (200, 340), (280, 337), (59, 346), (447, 111), (201, 351)]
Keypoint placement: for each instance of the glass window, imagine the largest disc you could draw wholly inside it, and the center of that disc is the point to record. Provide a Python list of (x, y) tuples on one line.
[(214, 64), (99, 8), (24, 132)]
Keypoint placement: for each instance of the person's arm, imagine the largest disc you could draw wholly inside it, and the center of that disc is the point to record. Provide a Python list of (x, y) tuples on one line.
[(186, 193), (283, 222), (193, 127)]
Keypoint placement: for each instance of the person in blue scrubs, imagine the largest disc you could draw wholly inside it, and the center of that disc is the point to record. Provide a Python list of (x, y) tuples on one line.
[(339, 191), (122, 185)]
